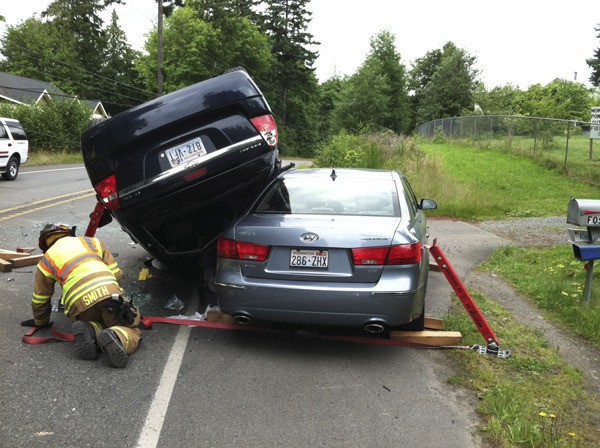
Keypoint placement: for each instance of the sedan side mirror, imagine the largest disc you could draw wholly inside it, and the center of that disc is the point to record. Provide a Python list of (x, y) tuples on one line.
[(427, 204)]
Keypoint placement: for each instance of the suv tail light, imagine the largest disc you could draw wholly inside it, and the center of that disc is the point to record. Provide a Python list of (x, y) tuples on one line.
[(239, 250), (107, 190), (265, 124), (388, 255)]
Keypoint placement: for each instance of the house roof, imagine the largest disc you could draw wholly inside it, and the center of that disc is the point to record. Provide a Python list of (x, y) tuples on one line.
[(22, 90)]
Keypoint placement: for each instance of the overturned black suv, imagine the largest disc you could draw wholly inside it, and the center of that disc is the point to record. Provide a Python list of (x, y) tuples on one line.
[(177, 170)]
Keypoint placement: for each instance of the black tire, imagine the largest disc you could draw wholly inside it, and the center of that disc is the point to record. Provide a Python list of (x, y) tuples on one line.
[(416, 325), (12, 169)]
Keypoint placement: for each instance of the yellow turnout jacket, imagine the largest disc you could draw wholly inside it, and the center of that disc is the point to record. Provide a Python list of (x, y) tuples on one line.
[(85, 269)]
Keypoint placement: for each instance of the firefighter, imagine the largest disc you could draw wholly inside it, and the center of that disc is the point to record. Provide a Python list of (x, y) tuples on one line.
[(91, 296)]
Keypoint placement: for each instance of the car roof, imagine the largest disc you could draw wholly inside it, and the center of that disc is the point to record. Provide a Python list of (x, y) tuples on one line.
[(342, 173), (9, 120)]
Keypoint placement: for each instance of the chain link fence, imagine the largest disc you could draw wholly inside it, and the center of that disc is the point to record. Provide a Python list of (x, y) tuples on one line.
[(557, 139)]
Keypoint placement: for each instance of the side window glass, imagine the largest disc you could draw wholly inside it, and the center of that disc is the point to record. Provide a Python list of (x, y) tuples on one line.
[(3, 133), (410, 197), (17, 132)]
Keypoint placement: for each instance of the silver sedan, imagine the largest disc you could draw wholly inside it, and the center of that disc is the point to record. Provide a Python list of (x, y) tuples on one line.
[(328, 247)]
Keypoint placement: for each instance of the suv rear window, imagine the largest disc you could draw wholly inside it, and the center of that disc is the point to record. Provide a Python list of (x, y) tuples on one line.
[(17, 131), (342, 197)]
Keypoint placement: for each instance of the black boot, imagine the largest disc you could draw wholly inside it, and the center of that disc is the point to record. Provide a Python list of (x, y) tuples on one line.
[(85, 340), (111, 345)]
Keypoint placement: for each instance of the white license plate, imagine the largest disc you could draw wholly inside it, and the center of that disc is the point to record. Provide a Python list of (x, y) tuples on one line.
[(185, 152), (309, 258)]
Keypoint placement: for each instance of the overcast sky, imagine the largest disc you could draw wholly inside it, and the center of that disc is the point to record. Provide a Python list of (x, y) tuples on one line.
[(522, 42)]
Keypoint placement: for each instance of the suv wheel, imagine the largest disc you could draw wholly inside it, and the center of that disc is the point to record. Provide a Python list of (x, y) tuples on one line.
[(12, 169)]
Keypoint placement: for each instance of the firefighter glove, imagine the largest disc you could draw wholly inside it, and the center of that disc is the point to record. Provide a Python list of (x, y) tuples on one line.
[(31, 323)]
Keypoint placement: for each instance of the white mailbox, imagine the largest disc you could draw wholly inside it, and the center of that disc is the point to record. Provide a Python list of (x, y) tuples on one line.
[(584, 212)]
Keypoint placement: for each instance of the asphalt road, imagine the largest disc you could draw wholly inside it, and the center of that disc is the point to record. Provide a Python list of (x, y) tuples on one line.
[(203, 387)]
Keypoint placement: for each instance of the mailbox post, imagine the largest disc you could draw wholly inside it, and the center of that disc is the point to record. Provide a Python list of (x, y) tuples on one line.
[(585, 213)]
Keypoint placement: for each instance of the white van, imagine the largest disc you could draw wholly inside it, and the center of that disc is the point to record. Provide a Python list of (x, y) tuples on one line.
[(14, 148)]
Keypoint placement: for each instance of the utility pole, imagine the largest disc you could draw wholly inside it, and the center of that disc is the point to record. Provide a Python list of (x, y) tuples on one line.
[(160, 50)]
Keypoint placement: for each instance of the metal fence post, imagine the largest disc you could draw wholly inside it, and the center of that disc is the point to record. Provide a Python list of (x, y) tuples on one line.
[(567, 146)]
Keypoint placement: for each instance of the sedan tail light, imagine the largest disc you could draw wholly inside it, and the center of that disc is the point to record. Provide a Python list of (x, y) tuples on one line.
[(239, 250), (107, 191), (265, 124), (387, 255)]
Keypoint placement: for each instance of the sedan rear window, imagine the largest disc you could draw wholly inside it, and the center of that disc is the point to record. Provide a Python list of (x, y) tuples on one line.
[(339, 197)]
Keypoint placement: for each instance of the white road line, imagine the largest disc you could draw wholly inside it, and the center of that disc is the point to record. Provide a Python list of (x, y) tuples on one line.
[(158, 408), (21, 173), (160, 403)]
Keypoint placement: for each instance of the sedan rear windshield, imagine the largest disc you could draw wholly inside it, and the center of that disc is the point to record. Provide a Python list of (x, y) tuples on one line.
[(339, 197)]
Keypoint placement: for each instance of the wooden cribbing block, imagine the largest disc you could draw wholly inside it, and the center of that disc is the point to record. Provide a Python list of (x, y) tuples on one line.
[(431, 338), (8, 255), (5, 266), (218, 316), (26, 261), (431, 323)]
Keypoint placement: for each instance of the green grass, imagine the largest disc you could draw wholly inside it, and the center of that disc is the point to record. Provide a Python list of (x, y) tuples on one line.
[(490, 184), (531, 399), (41, 157), (574, 162), (555, 282)]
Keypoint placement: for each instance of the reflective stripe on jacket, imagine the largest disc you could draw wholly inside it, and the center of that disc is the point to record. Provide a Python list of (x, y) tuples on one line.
[(85, 269)]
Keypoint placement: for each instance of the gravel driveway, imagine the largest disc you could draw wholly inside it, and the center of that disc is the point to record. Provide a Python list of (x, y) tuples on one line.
[(530, 231)]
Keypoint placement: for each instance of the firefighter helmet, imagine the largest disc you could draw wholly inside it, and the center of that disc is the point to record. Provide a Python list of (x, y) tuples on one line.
[(51, 232)]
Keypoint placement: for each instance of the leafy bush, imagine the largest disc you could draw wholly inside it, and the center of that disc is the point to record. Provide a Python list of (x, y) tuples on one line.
[(53, 127), (380, 150)]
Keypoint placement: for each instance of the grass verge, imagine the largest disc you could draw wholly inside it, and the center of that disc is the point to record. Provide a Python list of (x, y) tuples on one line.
[(532, 399), (490, 184), (555, 282), (41, 157)]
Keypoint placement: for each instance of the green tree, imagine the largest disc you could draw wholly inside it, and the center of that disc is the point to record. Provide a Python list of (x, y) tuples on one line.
[(450, 86), (79, 22), (196, 50), (292, 90), (56, 126), (419, 78), (561, 99), (38, 50), (217, 11), (501, 100), (119, 72), (376, 96), (594, 63), (329, 96)]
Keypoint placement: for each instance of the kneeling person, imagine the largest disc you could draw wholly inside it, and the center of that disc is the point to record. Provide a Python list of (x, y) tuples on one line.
[(91, 295)]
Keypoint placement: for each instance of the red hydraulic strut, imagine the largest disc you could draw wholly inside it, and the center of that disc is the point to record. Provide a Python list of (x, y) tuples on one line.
[(95, 218), (474, 312)]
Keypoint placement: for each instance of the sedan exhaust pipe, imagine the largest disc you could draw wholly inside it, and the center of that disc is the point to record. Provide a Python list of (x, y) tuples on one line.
[(242, 319), (374, 327)]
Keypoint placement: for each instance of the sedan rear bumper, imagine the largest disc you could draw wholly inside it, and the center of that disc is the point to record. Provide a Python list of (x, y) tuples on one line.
[(343, 305)]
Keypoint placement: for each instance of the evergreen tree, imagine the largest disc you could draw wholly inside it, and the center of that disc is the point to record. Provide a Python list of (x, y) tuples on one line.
[(594, 63), (293, 86), (122, 78)]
